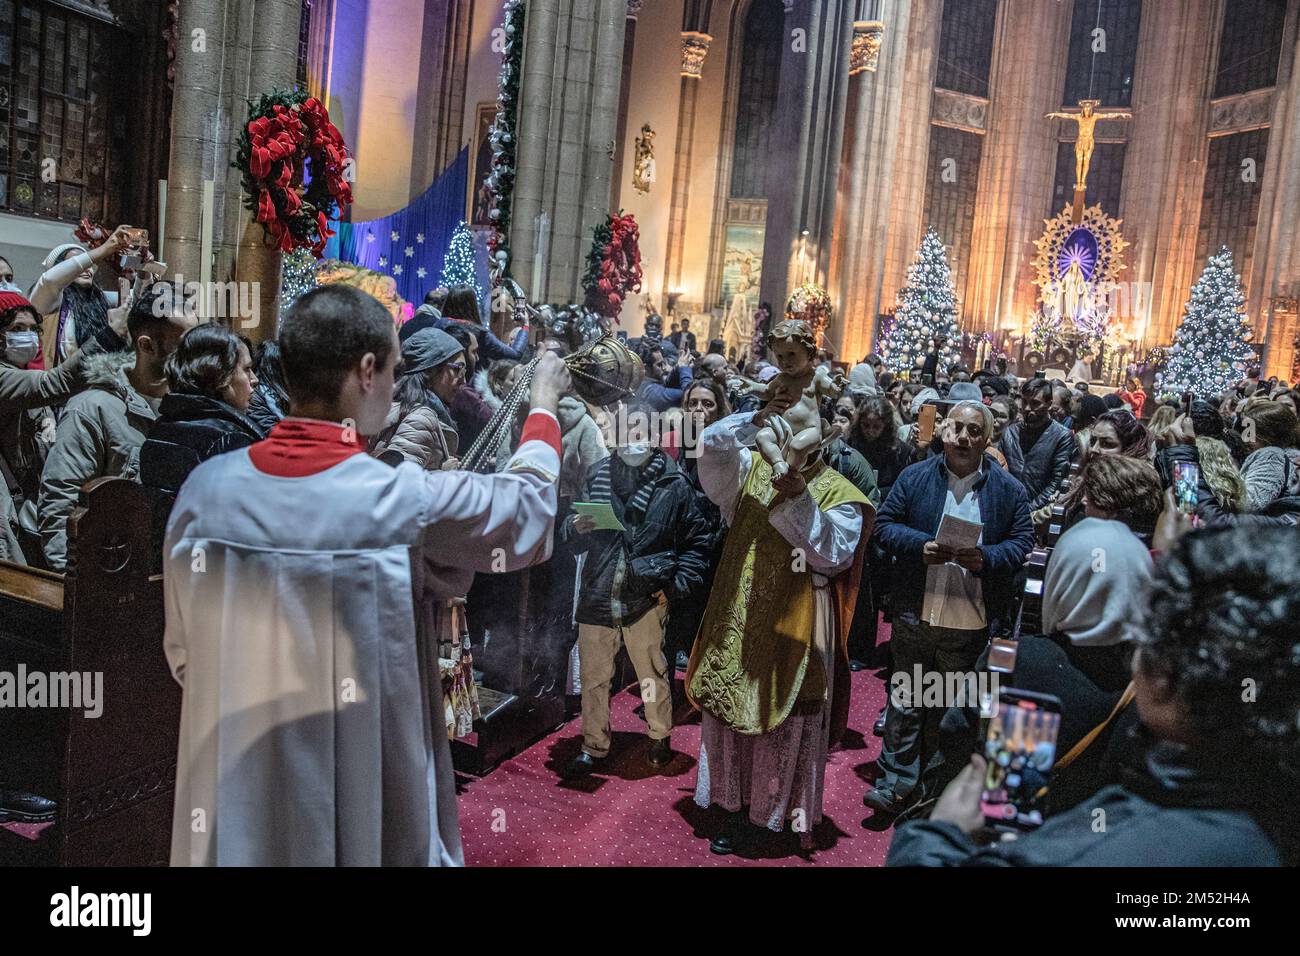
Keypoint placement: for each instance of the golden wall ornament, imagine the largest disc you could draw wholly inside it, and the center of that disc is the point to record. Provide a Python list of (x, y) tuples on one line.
[(643, 170), (864, 55), (695, 47)]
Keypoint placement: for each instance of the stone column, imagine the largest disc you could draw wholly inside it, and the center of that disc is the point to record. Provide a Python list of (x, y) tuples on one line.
[(1164, 164), (273, 65), (195, 107), (1276, 265), (1019, 161), (807, 141), (624, 95), (695, 47), (567, 119), (440, 95), (877, 64)]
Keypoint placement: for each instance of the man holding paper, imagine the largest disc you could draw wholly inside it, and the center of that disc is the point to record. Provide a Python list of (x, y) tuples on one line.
[(959, 529), (641, 540)]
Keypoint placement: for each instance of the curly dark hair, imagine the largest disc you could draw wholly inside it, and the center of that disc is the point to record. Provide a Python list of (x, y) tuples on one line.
[(1221, 619)]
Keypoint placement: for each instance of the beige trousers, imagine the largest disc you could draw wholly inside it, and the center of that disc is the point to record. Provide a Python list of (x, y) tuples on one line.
[(597, 648)]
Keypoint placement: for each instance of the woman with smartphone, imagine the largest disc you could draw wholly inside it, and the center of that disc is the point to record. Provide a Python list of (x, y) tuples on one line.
[(1211, 780)]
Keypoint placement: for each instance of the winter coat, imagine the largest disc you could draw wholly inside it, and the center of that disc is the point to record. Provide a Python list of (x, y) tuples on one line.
[(1284, 509), (888, 461), (850, 463), (624, 571), (100, 435), (20, 391), (662, 396), (419, 436), (1044, 468), (910, 517), (266, 408), (1173, 807), (189, 430), (581, 443), (470, 413)]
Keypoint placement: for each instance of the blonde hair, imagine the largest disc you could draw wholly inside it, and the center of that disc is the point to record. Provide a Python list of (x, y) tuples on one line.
[(1221, 474), (1161, 423)]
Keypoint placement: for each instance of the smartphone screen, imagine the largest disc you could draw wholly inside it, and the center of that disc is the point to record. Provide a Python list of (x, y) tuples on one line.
[(1020, 750), (1187, 477), (925, 422)]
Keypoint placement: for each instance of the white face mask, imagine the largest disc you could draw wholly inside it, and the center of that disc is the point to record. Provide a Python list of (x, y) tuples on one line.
[(21, 347), (10, 287), (635, 455)]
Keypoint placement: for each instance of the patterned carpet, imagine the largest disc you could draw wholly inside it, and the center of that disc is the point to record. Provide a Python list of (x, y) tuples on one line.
[(628, 814)]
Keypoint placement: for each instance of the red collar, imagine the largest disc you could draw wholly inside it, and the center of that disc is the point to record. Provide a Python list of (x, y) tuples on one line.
[(298, 447)]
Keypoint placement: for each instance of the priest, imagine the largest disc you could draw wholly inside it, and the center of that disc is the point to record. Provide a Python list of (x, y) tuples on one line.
[(769, 668), (300, 575)]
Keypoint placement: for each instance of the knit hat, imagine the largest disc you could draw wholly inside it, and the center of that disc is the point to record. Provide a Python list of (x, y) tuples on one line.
[(56, 254), (12, 300), (921, 397), (426, 349)]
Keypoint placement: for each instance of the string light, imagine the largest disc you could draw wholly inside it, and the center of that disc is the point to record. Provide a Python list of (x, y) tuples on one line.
[(1210, 353), (927, 310), (458, 267)]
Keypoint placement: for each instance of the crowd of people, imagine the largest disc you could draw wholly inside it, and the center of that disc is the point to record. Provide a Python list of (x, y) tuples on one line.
[(674, 542)]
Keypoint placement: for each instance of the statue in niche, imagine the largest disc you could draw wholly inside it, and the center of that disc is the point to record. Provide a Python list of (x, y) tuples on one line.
[(643, 172)]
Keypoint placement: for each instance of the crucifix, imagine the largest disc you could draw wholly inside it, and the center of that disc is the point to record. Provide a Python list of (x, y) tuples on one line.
[(1086, 119)]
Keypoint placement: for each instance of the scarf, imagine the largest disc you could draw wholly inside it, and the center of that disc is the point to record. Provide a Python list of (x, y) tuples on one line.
[(1097, 577), (601, 488)]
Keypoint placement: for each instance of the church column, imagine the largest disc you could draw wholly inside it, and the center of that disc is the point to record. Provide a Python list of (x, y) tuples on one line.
[(802, 176), (273, 65), (624, 95), (193, 157), (1164, 166), (1019, 162), (878, 61), (695, 47), (1276, 271), (568, 115), (440, 96)]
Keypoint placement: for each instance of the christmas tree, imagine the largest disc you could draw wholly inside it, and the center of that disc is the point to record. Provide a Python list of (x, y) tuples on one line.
[(458, 268), (1210, 354), (927, 310)]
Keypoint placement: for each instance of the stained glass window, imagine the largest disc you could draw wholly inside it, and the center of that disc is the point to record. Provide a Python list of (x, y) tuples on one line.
[(1103, 51), (1249, 46), (56, 68), (950, 184), (966, 46), (1234, 171)]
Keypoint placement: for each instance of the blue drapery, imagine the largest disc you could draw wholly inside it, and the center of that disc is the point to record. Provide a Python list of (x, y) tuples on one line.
[(410, 244)]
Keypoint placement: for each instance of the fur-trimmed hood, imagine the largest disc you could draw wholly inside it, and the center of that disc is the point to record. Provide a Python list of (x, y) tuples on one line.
[(108, 370)]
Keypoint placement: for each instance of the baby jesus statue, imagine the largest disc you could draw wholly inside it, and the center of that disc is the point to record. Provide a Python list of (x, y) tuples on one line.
[(788, 439)]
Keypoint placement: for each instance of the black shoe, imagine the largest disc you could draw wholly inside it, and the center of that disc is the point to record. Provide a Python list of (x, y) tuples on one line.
[(878, 728), (856, 665), (682, 661), (581, 765), (660, 753), (19, 807), (732, 835), (883, 800)]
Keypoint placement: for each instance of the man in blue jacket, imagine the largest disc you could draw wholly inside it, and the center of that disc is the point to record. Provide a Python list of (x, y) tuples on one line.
[(946, 602)]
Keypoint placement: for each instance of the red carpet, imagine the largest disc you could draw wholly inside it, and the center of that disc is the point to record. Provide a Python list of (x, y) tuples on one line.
[(627, 814)]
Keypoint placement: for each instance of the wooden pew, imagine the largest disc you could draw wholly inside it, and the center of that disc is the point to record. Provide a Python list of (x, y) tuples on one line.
[(113, 776)]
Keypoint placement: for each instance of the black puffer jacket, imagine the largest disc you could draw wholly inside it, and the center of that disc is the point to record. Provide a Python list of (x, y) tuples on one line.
[(191, 429), (665, 551), (266, 408)]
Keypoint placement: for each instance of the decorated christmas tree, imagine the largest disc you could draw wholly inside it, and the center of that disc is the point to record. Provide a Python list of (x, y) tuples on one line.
[(458, 268), (1210, 353), (927, 309)]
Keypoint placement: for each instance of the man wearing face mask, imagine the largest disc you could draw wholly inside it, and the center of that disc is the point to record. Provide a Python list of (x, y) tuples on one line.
[(103, 428), (630, 577), (22, 390)]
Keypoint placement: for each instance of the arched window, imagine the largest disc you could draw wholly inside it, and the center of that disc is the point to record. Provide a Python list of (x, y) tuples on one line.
[(760, 73)]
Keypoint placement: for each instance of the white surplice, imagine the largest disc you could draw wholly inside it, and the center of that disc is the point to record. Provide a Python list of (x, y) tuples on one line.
[(777, 773), (311, 730)]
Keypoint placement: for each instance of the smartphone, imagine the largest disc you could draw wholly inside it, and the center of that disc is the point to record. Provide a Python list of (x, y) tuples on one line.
[(925, 422), (1187, 478), (1020, 750), (1187, 403)]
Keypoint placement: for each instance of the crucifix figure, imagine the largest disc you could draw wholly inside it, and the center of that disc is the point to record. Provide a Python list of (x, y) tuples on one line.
[(1086, 142)]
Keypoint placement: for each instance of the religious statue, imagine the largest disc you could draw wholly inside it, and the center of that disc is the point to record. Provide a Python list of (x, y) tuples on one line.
[(643, 172), (788, 440), (1087, 119)]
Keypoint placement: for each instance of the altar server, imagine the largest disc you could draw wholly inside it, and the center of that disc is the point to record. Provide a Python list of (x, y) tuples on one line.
[(297, 576)]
